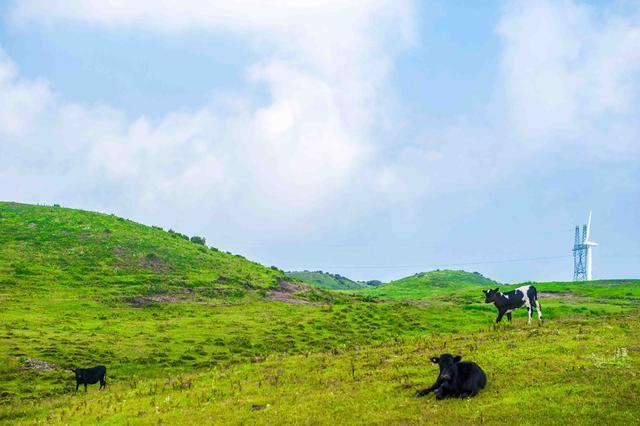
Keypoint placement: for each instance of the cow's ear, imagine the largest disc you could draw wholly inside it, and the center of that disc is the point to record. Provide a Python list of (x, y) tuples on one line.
[(457, 358), (435, 360), (496, 290)]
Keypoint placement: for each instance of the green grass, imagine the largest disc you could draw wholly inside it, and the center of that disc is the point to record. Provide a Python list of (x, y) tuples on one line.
[(428, 284), (581, 371), (326, 280), (196, 338), (41, 245)]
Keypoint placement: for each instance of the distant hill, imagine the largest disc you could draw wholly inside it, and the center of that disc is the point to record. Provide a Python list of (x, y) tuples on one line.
[(328, 281), (43, 245), (425, 284)]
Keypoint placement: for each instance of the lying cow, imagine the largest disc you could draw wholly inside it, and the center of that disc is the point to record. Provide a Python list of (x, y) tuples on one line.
[(90, 376), (456, 379), (506, 302)]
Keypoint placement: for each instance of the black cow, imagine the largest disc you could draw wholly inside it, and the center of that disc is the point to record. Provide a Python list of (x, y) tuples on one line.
[(506, 302), (90, 376), (456, 379)]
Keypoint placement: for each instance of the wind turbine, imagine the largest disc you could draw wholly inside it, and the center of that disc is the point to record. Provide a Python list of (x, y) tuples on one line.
[(587, 246)]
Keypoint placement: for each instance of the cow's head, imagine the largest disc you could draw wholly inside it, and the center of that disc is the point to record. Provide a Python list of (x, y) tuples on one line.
[(448, 367), (490, 295), (73, 370)]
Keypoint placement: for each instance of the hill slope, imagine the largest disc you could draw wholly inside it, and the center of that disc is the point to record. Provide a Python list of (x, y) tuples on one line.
[(427, 284), (185, 339), (42, 244), (326, 280)]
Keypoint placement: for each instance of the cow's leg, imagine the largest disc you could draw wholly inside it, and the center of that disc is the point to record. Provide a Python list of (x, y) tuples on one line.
[(103, 383), (469, 394), (441, 393), (539, 311), (529, 309), (509, 316), (500, 315), (431, 388), (77, 385), (85, 387), (444, 391)]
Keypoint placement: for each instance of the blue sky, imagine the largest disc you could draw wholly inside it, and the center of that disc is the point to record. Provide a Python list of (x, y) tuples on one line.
[(375, 139)]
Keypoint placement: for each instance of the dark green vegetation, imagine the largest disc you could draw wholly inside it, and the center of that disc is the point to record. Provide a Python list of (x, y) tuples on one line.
[(326, 280), (199, 335)]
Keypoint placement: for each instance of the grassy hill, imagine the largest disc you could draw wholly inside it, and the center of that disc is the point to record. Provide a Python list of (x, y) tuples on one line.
[(428, 284), (326, 280), (41, 245), (190, 334)]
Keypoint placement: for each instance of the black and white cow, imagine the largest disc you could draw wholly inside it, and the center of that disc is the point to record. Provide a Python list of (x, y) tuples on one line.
[(456, 379), (506, 302)]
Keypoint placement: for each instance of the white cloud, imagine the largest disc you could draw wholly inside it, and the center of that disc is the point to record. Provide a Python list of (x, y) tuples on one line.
[(20, 100), (568, 72), (570, 80), (569, 69), (324, 64)]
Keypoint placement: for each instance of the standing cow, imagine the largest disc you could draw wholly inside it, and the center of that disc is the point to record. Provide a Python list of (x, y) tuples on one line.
[(506, 302), (90, 376)]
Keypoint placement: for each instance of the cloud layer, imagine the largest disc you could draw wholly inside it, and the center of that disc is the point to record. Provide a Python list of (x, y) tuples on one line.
[(324, 65), (571, 71)]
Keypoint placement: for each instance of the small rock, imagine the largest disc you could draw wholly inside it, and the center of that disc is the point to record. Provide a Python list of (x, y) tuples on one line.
[(38, 364)]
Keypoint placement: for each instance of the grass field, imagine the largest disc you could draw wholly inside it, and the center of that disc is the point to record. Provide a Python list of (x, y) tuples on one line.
[(211, 337)]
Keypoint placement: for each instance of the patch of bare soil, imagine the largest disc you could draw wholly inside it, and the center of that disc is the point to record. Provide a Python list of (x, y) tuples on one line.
[(37, 364), (142, 301), (284, 292), (558, 295), (125, 258), (155, 264)]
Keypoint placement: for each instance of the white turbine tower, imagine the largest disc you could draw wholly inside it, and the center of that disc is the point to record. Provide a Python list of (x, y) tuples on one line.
[(582, 259), (587, 246)]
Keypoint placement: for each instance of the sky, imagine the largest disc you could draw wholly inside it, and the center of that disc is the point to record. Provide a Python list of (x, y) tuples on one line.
[(374, 139)]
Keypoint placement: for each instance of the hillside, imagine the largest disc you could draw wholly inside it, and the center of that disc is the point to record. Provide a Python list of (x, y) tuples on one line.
[(427, 284), (580, 371), (40, 245), (326, 280), (189, 334)]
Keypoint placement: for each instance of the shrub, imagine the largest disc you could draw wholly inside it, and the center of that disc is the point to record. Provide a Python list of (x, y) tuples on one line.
[(198, 240)]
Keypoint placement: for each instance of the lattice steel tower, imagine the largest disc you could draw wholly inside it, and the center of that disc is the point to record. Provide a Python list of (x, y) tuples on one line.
[(582, 262)]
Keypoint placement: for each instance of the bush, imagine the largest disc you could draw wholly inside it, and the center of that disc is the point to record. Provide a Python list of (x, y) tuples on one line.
[(198, 240)]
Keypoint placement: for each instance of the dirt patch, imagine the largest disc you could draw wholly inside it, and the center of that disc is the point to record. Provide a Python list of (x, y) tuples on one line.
[(126, 259), (287, 287), (38, 364), (143, 301), (284, 292), (155, 264), (557, 295)]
